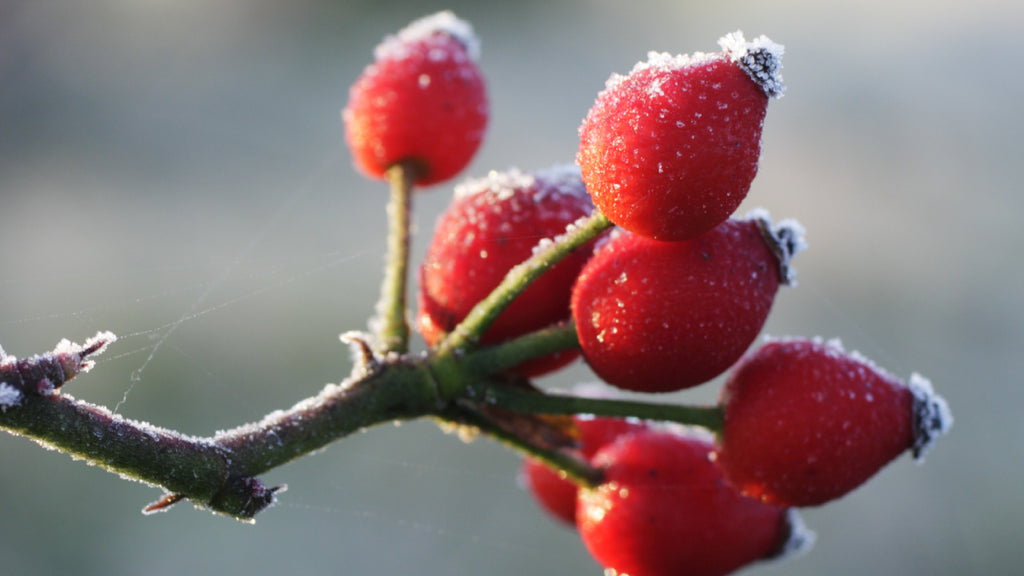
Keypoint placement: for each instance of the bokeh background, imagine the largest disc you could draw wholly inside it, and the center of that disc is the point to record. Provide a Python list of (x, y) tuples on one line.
[(175, 172)]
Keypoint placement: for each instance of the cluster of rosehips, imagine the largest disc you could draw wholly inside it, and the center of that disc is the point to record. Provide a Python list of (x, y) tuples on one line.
[(671, 298)]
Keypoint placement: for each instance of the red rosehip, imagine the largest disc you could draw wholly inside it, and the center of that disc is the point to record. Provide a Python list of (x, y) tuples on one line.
[(664, 509), (806, 423), (493, 224), (670, 150), (423, 100), (555, 493), (658, 316)]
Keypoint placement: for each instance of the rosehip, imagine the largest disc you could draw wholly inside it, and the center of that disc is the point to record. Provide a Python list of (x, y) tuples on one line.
[(670, 150), (493, 224), (664, 510), (658, 316), (555, 493), (806, 423), (423, 100)]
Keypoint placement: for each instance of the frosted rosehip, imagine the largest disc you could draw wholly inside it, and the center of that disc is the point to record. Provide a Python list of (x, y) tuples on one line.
[(665, 510), (493, 224), (658, 316), (806, 422), (670, 150), (555, 493), (422, 101)]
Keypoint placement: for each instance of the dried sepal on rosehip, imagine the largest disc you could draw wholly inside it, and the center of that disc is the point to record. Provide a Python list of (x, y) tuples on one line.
[(423, 101), (664, 509), (807, 422), (658, 316), (670, 150), (493, 224)]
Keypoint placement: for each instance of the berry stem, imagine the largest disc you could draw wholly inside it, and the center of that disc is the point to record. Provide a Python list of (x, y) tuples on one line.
[(576, 469), (547, 254), (511, 353), (525, 401), (390, 325)]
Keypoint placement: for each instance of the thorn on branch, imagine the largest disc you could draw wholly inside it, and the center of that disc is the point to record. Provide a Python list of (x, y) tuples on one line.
[(244, 497), (241, 497), (366, 362), (163, 504), (43, 374)]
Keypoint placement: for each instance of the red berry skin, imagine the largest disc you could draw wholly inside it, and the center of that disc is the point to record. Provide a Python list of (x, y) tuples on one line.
[(670, 150), (493, 224), (555, 493), (664, 509), (806, 423), (423, 100), (658, 316)]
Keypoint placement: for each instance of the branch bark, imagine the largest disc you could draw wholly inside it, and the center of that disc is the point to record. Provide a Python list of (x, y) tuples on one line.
[(217, 473)]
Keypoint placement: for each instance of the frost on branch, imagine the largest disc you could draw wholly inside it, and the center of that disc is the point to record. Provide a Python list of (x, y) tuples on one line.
[(43, 374), (9, 396)]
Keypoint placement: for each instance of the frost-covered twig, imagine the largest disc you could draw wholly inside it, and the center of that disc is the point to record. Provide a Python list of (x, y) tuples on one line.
[(217, 473), (43, 374)]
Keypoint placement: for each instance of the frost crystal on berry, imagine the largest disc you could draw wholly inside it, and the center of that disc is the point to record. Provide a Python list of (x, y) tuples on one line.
[(443, 22), (932, 416), (661, 62), (502, 185), (565, 178), (760, 58)]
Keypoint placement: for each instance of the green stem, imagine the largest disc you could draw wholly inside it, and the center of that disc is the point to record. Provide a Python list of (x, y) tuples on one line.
[(527, 402), (391, 326), (576, 469), (512, 353), (466, 335)]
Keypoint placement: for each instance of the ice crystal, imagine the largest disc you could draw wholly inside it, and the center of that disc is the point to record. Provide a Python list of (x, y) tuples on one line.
[(932, 416), (445, 22), (760, 58), (503, 184), (9, 396)]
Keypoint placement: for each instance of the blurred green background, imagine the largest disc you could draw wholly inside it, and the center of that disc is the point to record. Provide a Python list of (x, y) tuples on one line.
[(175, 172)]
